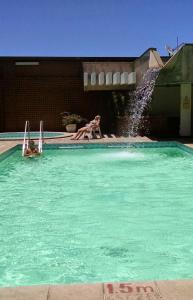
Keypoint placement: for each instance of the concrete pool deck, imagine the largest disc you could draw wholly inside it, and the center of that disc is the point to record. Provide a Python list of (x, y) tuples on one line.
[(6, 145), (150, 290)]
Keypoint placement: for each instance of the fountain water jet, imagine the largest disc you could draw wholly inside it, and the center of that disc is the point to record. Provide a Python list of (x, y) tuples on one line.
[(140, 99)]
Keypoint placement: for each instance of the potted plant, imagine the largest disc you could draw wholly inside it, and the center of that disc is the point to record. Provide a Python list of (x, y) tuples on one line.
[(70, 122)]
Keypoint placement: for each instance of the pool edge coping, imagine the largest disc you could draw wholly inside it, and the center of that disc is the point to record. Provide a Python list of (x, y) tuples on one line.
[(181, 289), (35, 138), (157, 144)]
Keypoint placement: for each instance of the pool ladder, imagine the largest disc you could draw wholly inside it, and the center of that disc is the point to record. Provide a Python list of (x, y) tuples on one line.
[(26, 138)]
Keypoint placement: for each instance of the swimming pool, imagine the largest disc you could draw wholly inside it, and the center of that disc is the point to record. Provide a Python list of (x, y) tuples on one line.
[(33, 135), (96, 213)]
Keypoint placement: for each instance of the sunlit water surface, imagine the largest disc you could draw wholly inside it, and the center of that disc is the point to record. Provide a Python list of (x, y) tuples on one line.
[(90, 215)]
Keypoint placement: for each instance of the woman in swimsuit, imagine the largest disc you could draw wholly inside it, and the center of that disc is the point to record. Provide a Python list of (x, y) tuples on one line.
[(93, 124)]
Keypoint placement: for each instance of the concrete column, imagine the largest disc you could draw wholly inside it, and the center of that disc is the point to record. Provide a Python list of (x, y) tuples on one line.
[(185, 109)]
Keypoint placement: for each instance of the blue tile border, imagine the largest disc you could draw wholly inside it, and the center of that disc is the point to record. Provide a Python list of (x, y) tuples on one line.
[(185, 148), (112, 145), (119, 145), (105, 145)]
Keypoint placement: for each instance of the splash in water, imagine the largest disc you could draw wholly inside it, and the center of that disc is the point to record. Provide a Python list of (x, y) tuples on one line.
[(141, 99)]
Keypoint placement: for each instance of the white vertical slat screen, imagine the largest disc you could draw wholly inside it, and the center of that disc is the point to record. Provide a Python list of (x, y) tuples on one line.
[(85, 78), (132, 78), (109, 78), (116, 78), (101, 78), (93, 78), (124, 78)]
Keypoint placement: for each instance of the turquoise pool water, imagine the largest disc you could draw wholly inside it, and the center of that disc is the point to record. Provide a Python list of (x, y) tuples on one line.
[(90, 215), (33, 135)]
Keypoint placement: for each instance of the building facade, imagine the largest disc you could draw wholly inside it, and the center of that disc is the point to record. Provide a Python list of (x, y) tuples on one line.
[(41, 88)]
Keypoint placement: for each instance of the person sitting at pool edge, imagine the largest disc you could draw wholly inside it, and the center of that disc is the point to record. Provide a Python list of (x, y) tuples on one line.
[(92, 125), (32, 149)]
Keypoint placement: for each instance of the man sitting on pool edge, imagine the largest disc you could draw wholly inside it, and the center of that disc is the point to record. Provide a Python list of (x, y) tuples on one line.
[(32, 149), (88, 127)]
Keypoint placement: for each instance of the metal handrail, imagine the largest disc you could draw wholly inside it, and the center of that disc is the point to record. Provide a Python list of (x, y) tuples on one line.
[(25, 140), (40, 143)]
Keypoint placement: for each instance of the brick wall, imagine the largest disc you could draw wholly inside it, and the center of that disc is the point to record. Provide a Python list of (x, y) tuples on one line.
[(41, 92)]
